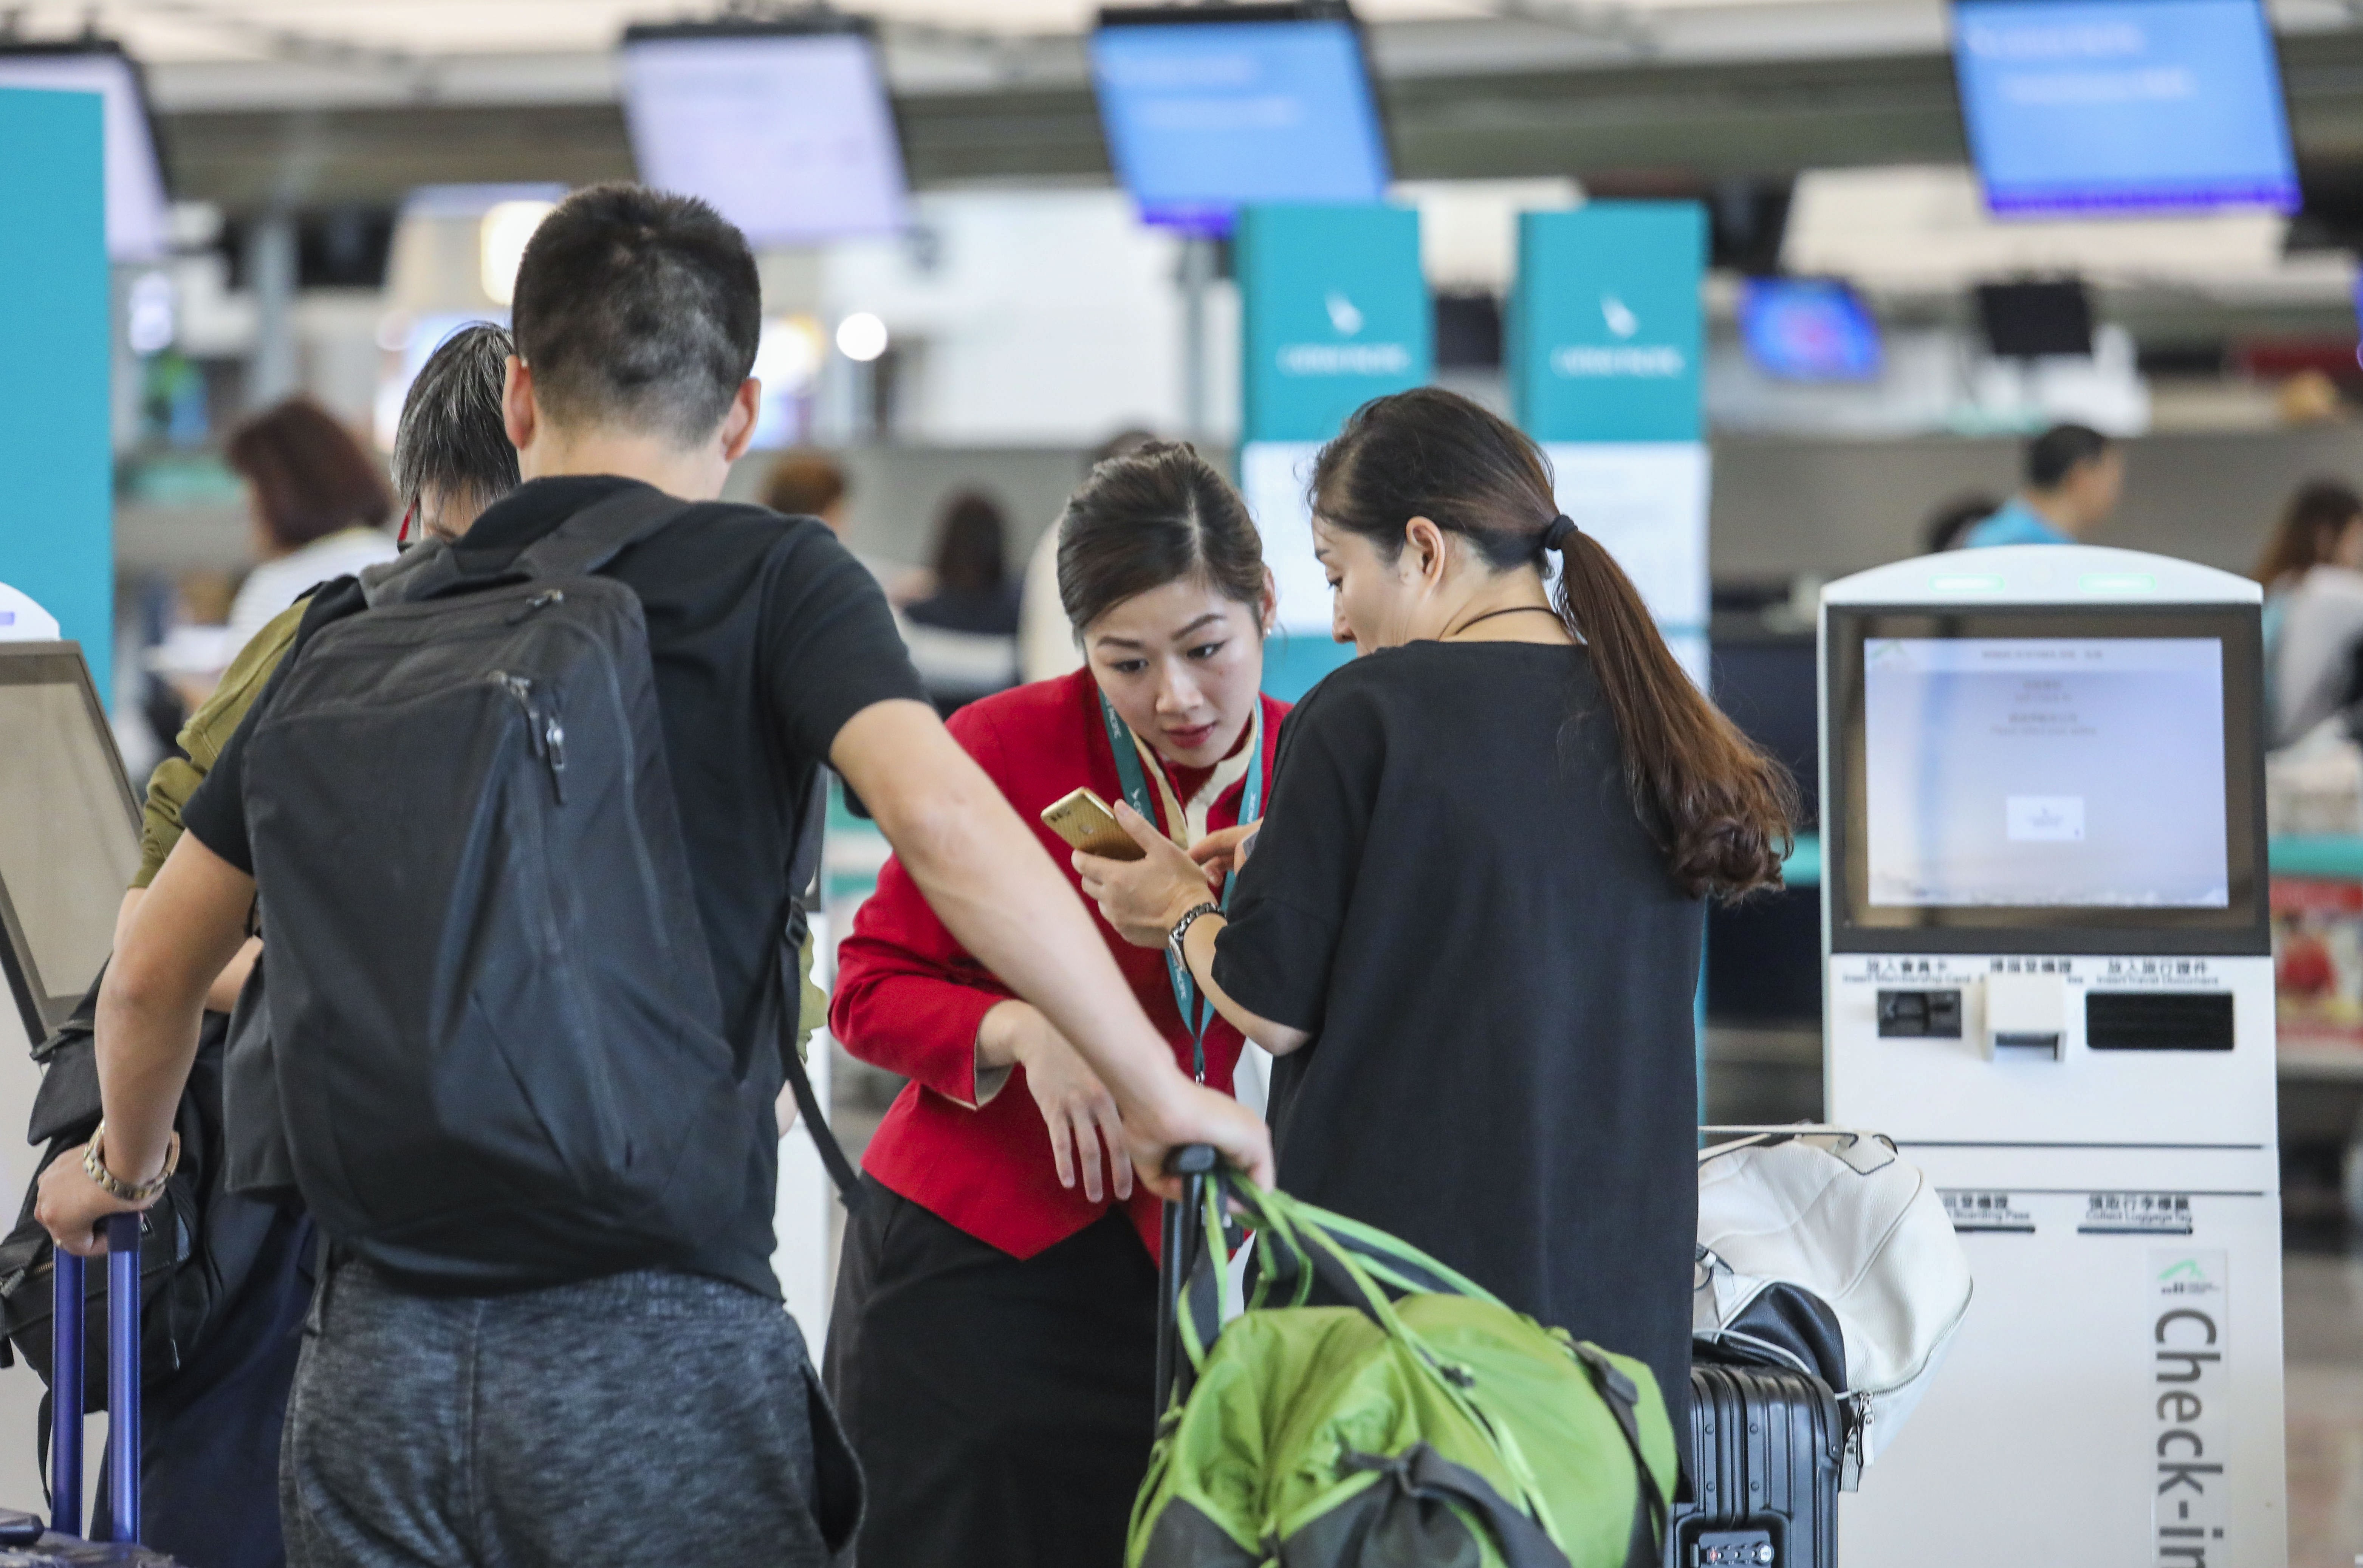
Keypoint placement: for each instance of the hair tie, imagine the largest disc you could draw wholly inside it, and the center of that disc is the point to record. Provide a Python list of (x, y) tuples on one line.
[(1561, 529)]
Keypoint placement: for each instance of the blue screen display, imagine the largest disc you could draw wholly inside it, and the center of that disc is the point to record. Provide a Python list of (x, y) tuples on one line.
[(1206, 117), (1808, 330), (2122, 106)]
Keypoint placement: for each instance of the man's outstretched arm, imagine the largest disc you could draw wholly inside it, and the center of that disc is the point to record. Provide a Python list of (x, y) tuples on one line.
[(167, 954)]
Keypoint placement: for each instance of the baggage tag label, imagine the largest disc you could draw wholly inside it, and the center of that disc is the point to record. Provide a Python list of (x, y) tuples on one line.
[(2189, 1325), (2136, 1214), (1984, 1210)]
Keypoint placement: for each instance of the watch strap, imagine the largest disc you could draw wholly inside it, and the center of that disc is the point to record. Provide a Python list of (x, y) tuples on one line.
[(1189, 917)]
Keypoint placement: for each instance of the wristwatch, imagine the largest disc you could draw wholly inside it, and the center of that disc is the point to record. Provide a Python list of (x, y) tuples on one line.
[(94, 1165), (1174, 938)]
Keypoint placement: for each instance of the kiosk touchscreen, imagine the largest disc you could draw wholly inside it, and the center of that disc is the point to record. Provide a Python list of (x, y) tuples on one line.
[(68, 830), (2049, 979)]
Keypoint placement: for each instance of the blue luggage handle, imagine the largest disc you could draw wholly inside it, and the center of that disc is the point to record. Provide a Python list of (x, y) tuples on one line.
[(122, 1385)]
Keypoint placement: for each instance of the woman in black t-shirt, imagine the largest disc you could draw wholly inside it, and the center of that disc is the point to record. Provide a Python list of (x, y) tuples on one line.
[(1470, 925)]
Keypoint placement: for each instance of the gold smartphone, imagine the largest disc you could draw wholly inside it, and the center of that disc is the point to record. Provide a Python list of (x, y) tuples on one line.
[(1084, 820)]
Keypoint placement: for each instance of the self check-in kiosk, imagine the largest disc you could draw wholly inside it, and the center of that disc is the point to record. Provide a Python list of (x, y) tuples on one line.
[(2049, 979), (68, 830)]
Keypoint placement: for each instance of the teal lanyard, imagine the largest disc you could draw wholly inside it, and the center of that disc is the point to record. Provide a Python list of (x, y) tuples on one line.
[(1197, 1011)]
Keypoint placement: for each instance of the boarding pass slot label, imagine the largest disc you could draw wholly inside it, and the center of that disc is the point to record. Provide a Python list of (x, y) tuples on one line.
[(1994, 1211)]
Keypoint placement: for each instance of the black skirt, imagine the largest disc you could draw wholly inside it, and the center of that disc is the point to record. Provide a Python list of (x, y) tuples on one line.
[(1001, 1408)]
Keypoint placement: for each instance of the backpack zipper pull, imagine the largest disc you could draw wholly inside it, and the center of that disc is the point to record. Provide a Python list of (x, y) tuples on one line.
[(537, 603), (544, 735), (553, 735)]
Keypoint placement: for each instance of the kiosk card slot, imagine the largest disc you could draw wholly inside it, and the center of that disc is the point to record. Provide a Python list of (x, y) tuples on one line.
[(1920, 1015)]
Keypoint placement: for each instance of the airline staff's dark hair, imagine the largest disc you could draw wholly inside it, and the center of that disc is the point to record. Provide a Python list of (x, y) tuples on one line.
[(1160, 513), (1721, 809)]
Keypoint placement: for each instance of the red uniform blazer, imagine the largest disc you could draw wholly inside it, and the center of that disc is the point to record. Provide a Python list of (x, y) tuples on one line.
[(909, 998)]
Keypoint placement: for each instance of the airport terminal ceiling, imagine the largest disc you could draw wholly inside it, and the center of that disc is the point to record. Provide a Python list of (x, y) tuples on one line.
[(281, 101)]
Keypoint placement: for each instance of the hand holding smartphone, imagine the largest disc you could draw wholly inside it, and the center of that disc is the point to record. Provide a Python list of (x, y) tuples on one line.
[(1085, 820)]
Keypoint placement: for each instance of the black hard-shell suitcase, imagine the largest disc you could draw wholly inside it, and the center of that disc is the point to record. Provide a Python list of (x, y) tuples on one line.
[(62, 1546), (1763, 1466)]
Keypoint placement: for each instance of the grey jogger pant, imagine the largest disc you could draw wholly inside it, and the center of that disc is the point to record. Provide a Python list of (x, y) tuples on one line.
[(644, 1420)]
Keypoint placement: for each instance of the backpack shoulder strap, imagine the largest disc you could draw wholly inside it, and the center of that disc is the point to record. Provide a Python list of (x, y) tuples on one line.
[(576, 548), (600, 532), (841, 1174)]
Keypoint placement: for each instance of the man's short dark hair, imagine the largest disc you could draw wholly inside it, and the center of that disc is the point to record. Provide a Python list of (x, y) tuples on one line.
[(452, 438), (2060, 452), (638, 309)]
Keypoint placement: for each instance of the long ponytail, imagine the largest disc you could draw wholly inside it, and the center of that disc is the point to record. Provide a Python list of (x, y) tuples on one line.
[(1720, 808)]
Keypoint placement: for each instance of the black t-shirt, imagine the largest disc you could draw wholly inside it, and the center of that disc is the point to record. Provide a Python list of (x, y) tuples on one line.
[(767, 636), (1453, 893)]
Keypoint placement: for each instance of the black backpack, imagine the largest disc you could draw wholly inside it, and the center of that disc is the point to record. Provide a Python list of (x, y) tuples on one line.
[(501, 1062)]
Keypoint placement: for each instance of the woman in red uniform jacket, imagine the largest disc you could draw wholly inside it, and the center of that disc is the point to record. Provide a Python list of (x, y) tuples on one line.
[(992, 1346)]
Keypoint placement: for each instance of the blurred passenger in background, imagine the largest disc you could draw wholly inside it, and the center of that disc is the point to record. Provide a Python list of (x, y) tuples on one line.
[(1947, 526), (963, 635), (2074, 476), (807, 484), (974, 591), (2313, 571), (319, 504), (992, 1348), (814, 484), (1046, 642)]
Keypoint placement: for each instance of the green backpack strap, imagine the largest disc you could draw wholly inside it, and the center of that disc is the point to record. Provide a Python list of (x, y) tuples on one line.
[(1420, 1472), (1622, 1398)]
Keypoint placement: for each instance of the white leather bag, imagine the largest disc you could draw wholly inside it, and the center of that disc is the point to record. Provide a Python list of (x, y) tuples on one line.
[(1842, 1217)]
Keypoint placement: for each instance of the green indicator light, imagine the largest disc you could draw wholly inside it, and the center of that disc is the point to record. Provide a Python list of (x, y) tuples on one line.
[(1966, 584), (2119, 582)]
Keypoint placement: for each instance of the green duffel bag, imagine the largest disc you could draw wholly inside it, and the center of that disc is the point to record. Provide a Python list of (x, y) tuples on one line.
[(1428, 1426)]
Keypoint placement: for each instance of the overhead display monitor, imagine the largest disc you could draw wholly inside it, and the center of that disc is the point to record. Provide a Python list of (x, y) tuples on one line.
[(68, 830), (2081, 107), (784, 126), (137, 209), (1210, 109), (1808, 330), (2044, 770)]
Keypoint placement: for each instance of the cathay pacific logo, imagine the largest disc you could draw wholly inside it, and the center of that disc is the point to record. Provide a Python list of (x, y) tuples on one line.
[(1624, 358), (1346, 320)]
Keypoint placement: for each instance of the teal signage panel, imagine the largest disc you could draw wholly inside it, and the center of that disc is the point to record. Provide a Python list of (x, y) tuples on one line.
[(57, 538), (1334, 313), (1607, 332)]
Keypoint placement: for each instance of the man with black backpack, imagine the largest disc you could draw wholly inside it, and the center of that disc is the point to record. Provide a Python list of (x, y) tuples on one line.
[(519, 815)]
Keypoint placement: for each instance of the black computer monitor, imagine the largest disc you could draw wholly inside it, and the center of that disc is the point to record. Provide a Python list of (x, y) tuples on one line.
[(68, 830), (2031, 321)]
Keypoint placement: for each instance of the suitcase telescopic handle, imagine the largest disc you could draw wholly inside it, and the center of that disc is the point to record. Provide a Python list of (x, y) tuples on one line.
[(122, 1385), (1193, 1163)]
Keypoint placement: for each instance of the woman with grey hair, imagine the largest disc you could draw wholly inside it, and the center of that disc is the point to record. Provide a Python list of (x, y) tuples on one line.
[(452, 452)]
